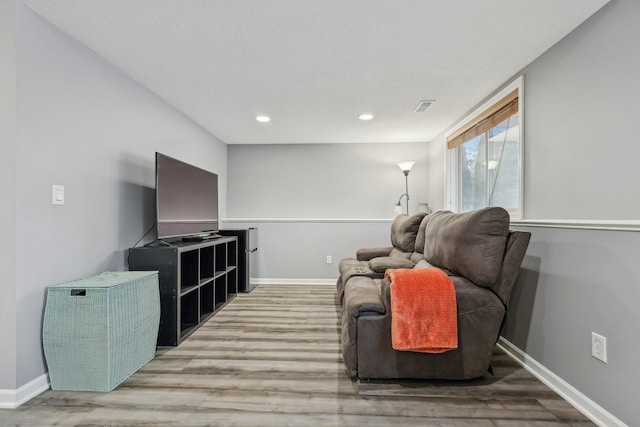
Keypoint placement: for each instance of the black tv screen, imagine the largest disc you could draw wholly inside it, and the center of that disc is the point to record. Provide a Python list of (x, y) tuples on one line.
[(186, 199)]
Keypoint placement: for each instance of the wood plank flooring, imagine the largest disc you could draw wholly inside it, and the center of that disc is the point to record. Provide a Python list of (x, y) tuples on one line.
[(272, 358)]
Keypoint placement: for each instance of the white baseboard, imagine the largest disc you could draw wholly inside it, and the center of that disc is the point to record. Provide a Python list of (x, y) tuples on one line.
[(294, 281), (582, 403), (11, 399)]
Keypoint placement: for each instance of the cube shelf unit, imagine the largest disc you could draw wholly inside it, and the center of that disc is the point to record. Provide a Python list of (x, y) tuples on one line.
[(195, 280)]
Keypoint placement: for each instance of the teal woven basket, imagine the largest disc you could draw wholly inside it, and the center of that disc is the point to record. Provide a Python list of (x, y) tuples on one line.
[(99, 330)]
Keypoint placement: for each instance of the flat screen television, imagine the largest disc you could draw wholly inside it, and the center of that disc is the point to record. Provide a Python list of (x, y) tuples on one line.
[(186, 199)]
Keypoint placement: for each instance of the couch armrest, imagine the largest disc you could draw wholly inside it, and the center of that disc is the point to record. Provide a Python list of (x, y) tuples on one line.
[(361, 298), (385, 293), (381, 264), (365, 254)]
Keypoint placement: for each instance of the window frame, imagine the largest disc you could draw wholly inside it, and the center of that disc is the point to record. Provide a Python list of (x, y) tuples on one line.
[(452, 166)]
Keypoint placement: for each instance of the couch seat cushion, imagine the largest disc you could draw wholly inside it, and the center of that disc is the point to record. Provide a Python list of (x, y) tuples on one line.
[(470, 297)]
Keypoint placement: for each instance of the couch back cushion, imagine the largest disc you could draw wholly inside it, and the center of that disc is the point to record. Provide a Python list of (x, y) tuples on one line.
[(419, 244), (470, 244), (418, 251), (404, 230)]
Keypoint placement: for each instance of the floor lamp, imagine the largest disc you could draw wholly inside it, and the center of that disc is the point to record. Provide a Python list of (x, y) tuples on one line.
[(405, 167)]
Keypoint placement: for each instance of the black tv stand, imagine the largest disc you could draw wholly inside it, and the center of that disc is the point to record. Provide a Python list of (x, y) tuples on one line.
[(195, 280)]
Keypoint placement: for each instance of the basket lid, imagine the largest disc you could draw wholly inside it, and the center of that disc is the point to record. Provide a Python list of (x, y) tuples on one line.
[(106, 279)]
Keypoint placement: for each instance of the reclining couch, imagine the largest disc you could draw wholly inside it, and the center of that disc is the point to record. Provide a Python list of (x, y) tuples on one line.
[(480, 255)]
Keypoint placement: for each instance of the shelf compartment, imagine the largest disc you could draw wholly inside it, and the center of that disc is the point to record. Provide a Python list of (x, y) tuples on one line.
[(220, 292), (206, 263), (232, 254), (185, 291), (205, 280), (221, 258), (207, 303), (189, 270), (189, 312), (232, 280)]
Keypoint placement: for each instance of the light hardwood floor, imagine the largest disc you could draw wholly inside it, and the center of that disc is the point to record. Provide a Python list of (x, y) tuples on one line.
[(272, 358)]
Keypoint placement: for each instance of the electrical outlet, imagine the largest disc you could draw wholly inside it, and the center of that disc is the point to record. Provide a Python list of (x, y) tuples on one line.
[(599, 347), (57, 195), (329, 259)]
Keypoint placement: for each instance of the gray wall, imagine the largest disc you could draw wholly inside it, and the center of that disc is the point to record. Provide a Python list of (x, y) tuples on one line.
[(573, 282), (323, 180), (8, 187), (436, 174), (313, 200), (581, 97), (296, 250), (85, 125)]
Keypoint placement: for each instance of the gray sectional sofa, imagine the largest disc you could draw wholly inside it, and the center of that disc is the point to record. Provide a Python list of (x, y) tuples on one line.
[(481, 256)]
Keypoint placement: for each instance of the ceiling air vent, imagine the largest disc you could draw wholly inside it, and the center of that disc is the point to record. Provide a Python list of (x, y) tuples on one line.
[(423, 105)]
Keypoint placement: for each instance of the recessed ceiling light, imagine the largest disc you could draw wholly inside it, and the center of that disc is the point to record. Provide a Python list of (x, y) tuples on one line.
[(365, 116), (263, 119)]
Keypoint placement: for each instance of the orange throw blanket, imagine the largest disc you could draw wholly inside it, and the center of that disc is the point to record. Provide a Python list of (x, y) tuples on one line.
[(423, 311)]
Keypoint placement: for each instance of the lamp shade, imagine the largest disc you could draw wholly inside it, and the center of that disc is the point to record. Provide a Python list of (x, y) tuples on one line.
[(406, 166)]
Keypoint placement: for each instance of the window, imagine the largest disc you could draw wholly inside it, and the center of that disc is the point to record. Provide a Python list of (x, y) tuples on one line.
[(485, 156)]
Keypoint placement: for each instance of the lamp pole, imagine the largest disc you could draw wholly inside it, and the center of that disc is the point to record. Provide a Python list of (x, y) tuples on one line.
[(406, 189)]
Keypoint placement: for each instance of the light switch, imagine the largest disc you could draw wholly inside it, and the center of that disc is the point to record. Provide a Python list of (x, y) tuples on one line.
[(57, 194)]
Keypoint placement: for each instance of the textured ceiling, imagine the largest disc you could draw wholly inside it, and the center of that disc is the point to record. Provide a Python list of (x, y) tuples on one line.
[(314, 66)]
